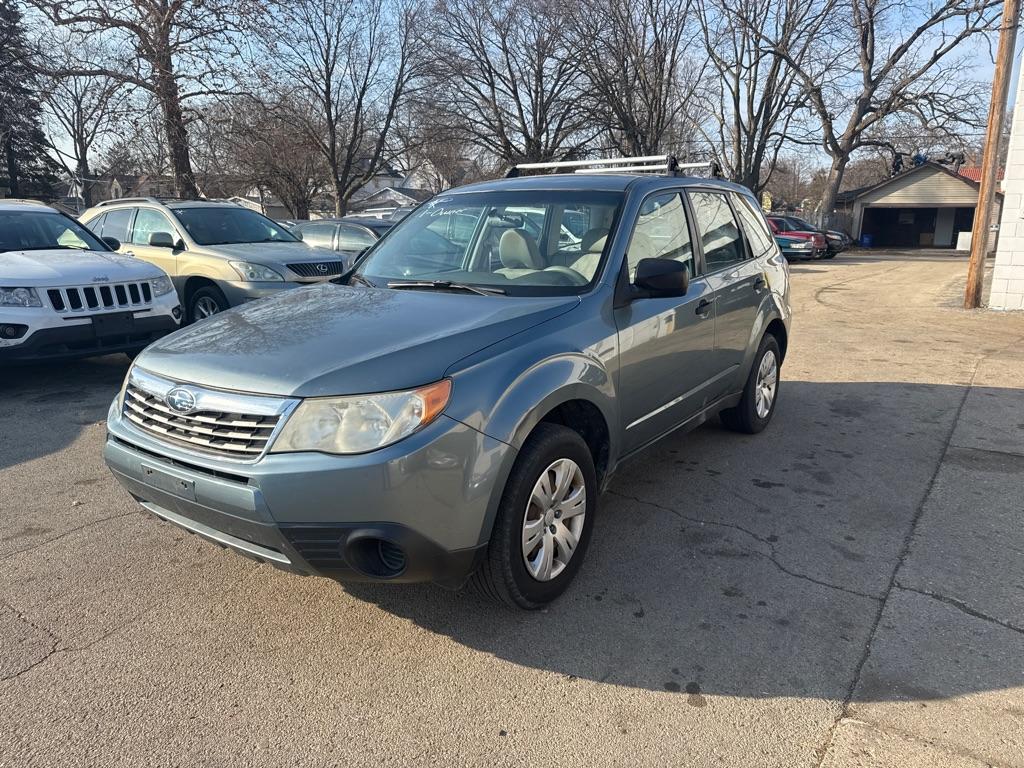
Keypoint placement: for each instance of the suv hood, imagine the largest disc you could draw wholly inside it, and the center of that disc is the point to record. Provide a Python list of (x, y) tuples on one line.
[(330, 339), (63, 267)]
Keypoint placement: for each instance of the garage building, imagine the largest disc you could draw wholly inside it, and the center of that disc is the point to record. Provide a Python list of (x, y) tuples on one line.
[(927, 206)]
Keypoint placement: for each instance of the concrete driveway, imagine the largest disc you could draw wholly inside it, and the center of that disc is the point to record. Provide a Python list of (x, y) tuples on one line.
[(845, 589)]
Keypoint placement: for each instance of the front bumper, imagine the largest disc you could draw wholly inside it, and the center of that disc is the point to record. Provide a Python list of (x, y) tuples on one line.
[(419, 510), (237, 292), (80, 339)]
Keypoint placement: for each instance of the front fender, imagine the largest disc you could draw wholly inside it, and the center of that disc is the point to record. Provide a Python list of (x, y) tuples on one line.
[(524, 401)]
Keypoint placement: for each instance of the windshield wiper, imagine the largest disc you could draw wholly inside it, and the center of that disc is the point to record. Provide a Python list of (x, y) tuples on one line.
[(448, 285)]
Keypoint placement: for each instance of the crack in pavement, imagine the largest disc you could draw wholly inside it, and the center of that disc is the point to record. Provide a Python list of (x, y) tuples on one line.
[(67, 533), (961, 606), (55, 650), (771, 556), (844, 711)]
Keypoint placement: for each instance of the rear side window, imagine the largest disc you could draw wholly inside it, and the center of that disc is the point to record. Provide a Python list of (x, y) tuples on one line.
[(719, 233), (754, 228), (320, 235), (116, 224), (354, 238), (661, 232)]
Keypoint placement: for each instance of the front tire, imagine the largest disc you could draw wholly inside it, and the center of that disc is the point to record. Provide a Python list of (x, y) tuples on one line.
[(206, 302), (761, 392), (544, 521)]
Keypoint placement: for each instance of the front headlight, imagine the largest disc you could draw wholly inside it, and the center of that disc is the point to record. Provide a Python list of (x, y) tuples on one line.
[(361, 423), (19, 297), (161, 285), (255, 273)]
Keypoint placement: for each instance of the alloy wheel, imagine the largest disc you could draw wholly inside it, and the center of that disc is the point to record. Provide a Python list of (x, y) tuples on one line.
[(205, 307)]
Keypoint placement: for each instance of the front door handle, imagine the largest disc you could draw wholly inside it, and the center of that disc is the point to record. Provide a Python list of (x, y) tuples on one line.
[(760, 283), (704, 306)]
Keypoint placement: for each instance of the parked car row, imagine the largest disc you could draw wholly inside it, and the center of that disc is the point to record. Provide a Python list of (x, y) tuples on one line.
[(217, 254), (142, 266), (800, 239)]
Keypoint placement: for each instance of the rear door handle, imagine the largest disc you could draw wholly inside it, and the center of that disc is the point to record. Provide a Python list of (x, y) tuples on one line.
[(760, 283), (704, 306)]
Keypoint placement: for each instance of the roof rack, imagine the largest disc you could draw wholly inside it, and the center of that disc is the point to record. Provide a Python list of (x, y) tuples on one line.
[(666, 165)]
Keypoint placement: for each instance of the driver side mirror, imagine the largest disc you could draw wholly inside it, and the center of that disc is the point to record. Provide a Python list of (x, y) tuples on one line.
[(112, 242), (161, 240), (662, 278)]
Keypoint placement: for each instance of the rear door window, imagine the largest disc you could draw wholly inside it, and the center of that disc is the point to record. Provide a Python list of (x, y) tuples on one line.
[(754, 228), (117, 223), (318, 234), (351, 238), (719, 233)]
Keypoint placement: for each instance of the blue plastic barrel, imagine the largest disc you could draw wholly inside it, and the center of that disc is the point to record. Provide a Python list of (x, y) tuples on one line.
[(866, 240)]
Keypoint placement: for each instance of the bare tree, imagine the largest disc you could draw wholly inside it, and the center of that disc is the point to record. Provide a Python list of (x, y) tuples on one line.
[(639, 80), (177, 50), (900, 59), (504, 75), (754, 96), (81, 110), (354, 62), (255, 144)]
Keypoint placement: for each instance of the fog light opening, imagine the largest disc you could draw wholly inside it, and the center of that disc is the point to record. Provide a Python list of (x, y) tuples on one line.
[(377, 558)]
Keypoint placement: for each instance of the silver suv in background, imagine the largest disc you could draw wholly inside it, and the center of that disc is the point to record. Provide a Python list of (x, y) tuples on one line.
[(218, 254)]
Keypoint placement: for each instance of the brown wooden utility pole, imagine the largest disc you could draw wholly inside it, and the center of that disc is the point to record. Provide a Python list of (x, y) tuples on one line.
[(990, 157)]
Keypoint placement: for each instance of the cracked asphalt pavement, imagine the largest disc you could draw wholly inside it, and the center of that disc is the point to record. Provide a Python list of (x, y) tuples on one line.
[(846, 588)]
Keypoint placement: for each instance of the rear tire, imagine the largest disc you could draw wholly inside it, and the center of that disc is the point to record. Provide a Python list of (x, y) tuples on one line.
[(517, 570), (206, 302), (761, 392)]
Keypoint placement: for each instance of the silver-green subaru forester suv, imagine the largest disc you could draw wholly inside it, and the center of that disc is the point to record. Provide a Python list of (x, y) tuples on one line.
[(450, 409)]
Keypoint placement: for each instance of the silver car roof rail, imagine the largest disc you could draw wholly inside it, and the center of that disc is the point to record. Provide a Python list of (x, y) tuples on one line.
[(23, 200), (115, 200), (666, 165)]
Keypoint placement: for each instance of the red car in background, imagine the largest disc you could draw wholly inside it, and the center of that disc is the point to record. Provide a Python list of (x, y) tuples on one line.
[(781, 228)]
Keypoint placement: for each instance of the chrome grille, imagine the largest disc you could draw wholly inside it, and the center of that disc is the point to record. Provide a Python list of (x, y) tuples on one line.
[(235, 426), (318, 268), (90, 298)]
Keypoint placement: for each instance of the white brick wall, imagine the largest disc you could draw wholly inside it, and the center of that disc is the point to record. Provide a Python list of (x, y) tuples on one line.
[(1007, 291)]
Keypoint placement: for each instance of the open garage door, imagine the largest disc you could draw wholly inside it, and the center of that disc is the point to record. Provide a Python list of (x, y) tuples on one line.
[(913, 227)]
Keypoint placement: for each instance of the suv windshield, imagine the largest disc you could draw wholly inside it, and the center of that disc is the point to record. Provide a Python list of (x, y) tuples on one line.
[(527, 243), (224, 225), (44, 230)]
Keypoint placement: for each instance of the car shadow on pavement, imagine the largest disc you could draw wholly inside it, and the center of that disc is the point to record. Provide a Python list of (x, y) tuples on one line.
[(45, 406), (769, 565)]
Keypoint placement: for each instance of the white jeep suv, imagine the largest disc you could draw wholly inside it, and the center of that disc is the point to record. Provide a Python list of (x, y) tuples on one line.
[(65, 293)]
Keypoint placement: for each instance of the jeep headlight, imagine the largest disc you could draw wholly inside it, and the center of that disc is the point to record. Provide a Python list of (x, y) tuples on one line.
[(19, 297), (255, 273), (161, 285), (361, 423)]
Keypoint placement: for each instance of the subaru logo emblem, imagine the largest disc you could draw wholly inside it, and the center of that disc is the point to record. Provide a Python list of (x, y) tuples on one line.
[(321, 268), (180, 400)]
